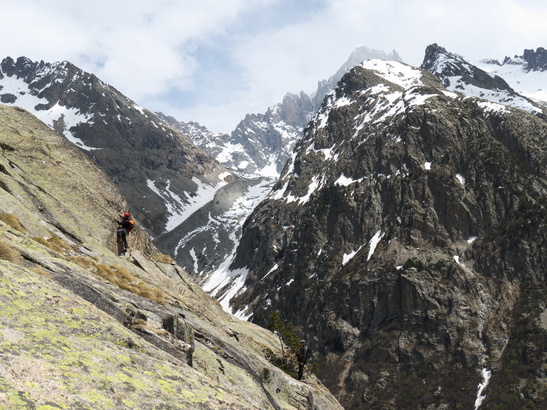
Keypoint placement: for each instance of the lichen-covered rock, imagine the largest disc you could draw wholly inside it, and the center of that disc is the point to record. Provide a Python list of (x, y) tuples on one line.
[(81, 327)]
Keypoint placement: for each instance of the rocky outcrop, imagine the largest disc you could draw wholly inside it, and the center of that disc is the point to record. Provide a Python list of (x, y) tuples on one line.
[(535, 60), (405, 238), (84, 328)]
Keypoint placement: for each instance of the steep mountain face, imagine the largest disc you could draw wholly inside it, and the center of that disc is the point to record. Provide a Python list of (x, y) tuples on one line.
[(158, 169), (405, 238), (259, 147), (459, 75), (84, 328)]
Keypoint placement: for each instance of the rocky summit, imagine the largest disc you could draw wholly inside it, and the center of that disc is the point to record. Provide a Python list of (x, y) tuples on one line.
[(406, 238), (81, 327)]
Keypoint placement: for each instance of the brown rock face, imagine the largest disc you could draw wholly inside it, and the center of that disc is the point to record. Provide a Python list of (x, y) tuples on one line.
[(405, 241)]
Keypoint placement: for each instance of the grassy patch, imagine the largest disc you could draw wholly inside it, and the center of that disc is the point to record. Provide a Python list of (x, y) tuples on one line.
[(8, 253), (83, 261), (54, 243), (41, 271), (13, 222), (161, 258), (126, 280)]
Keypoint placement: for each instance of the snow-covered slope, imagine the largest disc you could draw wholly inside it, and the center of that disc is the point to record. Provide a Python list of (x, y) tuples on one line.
[(489, 79), (516, 72)]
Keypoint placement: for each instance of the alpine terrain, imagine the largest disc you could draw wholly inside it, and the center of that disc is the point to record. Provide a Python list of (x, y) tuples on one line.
[(257, 150), (82, 327), (406, 239), (395, 218), (158, 169)]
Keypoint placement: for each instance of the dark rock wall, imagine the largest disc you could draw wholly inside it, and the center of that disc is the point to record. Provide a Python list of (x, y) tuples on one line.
[(426, 306)]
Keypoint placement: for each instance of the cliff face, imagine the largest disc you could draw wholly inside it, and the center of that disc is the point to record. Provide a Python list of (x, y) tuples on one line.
[(406, 238), (82, 327)]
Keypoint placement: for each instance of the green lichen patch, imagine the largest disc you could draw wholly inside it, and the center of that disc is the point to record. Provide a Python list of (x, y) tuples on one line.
[(63, 350)]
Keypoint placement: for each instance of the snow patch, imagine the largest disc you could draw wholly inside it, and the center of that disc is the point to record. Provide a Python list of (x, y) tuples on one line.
[(180, 207), (345, 181), (395, 72), (349, 256), (457, 259), (315, 184), (374, 243), (486, 374), (273, 269), (471, 239)]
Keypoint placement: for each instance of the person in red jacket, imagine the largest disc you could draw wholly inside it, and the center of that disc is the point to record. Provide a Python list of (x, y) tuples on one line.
[(125, 225)]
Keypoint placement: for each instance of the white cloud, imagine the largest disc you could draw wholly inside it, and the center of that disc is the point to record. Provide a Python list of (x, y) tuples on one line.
[(213, 61)]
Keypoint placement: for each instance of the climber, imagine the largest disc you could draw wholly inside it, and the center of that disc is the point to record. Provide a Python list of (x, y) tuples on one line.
[(125, 225), (302, 357)]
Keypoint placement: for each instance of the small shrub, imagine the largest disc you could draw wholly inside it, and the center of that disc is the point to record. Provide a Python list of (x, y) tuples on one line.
[(287, 361), (289, 336)]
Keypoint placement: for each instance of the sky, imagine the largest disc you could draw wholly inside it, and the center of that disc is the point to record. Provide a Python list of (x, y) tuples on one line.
[(214, 61)]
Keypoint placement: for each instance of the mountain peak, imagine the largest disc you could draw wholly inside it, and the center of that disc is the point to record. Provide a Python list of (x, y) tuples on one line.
[(532, 60), (459, 75)]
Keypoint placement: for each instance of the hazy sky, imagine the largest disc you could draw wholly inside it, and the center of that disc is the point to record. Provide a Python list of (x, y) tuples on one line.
[(213, 61)]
